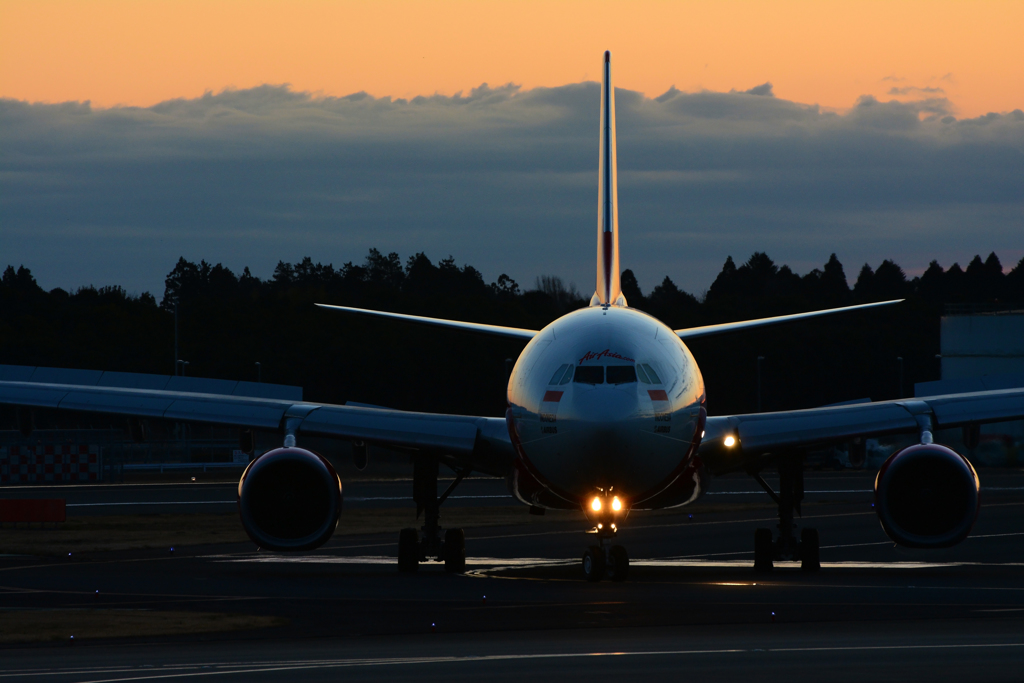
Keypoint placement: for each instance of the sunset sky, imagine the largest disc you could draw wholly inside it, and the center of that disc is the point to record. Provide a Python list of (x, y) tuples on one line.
[(140, 52), (931, 61)]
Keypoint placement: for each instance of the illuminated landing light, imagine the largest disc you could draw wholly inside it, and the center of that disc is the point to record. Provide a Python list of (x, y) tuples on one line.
[(616, 504), (730, 441), (595, 504), (600, 526), (613, 527), (702, 432)]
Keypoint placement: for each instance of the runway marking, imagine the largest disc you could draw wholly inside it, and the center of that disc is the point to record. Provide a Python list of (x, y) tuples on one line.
[(1015, 533), (155, 502), (230, 668), (744, 493), (233, 502), (389, 560), (488, 565), (750, 493), (409, 498), (366, 499)]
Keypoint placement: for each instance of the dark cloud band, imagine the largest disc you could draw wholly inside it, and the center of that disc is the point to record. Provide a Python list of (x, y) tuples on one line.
[(501, 178)]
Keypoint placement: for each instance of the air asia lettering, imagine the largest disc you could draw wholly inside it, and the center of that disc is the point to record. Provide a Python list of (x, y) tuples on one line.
[(607, 353)]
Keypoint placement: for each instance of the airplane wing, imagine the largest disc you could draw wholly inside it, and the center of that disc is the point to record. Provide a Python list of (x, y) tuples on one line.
[(708, 330), (512, 332), (760, 434), (481, 442)]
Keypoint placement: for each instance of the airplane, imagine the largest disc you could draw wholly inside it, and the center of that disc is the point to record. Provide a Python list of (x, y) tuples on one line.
[(607, 413)]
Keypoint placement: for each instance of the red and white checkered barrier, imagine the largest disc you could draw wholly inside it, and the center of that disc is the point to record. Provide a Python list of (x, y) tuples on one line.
[(54, 463)]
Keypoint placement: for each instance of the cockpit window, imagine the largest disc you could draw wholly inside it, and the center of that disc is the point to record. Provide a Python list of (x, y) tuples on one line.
[(567, 377), (555, 378), (642, 375), (652, 374), (589, 374), (621, 374)]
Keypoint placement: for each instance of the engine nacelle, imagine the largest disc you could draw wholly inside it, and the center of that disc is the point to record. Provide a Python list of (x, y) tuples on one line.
[(926, 496), (289, 499)]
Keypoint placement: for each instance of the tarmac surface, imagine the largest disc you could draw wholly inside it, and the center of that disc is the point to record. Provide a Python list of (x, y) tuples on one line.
[(692, 608)]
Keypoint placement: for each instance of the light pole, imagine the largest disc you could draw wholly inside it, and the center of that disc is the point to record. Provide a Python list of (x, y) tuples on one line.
[(259, 372), (900, 359), (759, 359), (176, 361), (182, 364)]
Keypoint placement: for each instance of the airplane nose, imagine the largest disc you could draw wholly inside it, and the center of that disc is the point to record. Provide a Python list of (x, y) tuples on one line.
[(605, 423), (604, 406)]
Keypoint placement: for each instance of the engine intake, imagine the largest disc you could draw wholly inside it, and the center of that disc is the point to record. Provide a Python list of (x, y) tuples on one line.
[(926, 496), (289, 499)]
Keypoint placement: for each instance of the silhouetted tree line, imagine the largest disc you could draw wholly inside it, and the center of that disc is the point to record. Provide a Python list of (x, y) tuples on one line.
[(228, 322)]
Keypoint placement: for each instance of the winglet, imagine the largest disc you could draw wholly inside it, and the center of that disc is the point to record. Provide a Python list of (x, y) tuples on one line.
[(609, 290)]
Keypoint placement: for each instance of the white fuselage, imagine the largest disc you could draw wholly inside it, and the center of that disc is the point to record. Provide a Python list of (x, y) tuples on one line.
[(606, 397)]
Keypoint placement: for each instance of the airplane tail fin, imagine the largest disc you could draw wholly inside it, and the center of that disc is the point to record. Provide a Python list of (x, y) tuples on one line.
[(609, 290)]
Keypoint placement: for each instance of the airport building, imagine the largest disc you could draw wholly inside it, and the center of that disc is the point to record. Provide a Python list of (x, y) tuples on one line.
[(48, 447), (982, 349)]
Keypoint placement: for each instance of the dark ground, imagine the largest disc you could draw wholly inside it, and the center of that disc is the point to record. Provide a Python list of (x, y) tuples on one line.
[(692, 608)]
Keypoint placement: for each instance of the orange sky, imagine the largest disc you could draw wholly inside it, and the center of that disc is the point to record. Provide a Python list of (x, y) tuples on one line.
[(143, 51)]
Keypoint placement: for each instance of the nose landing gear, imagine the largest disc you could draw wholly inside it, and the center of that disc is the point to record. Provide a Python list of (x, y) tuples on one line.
[(605, 559), (786, 547)]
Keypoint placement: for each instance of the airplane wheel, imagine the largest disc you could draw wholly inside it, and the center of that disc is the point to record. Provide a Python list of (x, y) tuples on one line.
[(593, 563), (763, 550), (618, 564), (408, 550), (809, 561), (455, 551)]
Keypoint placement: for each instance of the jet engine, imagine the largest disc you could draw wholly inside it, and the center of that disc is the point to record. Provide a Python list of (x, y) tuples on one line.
[(926, 496), (289, 499)]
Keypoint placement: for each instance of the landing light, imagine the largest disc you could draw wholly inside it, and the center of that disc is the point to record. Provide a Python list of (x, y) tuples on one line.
[(616, 504), (730, 441), (595, 504)]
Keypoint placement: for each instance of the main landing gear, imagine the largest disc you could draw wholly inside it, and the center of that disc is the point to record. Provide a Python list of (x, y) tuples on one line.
[(430, 542), (786, 546), (605, 559)]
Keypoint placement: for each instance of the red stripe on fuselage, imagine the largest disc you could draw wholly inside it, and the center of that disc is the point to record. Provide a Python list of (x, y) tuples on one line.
[(657, 394), (607, 235), (553, 396)]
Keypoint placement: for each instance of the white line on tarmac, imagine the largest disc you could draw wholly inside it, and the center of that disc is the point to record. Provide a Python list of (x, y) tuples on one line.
[(226, 668), (154, 502), (232, 502), (498, 564), (367, 499)]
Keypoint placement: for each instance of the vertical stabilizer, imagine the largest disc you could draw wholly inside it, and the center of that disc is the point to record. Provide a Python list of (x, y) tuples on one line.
[(608, 289)]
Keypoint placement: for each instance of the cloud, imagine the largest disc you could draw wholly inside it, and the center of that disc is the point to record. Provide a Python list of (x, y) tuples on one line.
[(911, 90), (764, 89), (502, 178)]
